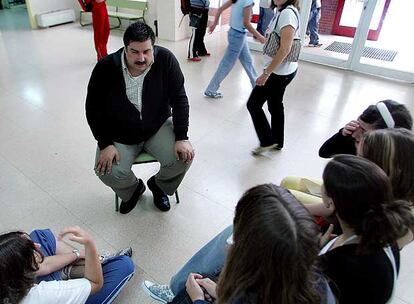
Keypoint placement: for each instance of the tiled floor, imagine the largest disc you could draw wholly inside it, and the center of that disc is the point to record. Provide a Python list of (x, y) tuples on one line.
[(47, 150)]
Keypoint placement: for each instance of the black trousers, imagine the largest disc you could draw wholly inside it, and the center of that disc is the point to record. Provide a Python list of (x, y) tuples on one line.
[(272, 92), (196, 43)]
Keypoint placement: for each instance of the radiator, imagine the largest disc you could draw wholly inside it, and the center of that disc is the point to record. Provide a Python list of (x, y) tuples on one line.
[(55, 17)]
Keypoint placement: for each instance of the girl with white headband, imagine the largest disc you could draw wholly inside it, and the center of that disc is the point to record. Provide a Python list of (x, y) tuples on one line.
[(385, 114)]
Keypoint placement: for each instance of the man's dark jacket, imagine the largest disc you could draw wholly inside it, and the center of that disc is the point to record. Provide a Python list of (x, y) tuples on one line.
[(113, 118)]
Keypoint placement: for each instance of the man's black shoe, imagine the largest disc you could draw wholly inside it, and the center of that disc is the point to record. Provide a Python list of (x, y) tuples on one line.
[(161, 200), (130, 204)]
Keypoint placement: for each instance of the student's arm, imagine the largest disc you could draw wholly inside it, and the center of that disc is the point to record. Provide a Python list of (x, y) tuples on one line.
[(286, 40), (319, 209), (93, 268), (247, 14), (222, 8), (53, 263), (338, 144)]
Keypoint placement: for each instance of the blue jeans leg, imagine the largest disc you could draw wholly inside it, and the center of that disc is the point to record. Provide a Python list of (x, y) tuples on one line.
[(116, 272), (236, 43), (246, 60), (313, 25), (208, 260), (47, 241)]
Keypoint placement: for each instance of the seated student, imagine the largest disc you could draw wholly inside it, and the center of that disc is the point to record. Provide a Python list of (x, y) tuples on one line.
[(25, 261), (363, 262), (392, 150), (384, 114), (272, 258)]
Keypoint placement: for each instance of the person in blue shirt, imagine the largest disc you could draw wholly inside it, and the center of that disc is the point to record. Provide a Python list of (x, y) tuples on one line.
[(241, 11)]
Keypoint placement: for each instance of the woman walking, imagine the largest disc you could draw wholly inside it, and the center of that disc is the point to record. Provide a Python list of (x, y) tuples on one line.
[(241, 11), (276, 76)]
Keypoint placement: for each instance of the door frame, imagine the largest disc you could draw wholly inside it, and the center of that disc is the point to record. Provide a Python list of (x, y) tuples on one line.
[(349, 31), (353, 61)]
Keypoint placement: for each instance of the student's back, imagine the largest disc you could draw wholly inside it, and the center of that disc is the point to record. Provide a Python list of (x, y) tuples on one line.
[(363, 262)]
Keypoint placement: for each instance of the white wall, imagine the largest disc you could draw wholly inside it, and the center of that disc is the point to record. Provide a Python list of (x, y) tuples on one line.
[(41, 6), (169, 16), (166, 12)]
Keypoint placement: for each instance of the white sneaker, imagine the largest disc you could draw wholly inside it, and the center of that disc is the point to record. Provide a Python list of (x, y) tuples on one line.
[(161, 293), (260, 150)]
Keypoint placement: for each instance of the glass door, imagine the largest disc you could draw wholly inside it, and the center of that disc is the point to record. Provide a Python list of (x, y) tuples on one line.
[(390, 54), (367, 36)]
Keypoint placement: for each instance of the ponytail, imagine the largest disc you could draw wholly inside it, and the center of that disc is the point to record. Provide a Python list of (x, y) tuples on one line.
[(383, 225), (362, 195)]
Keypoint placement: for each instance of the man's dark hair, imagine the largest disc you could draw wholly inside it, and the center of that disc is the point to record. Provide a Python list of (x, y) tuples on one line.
[(140, 32)]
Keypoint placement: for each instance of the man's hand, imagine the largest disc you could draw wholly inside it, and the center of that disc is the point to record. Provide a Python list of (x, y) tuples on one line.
[(106, 158), (193, 289), (184, 150), (350, 128)]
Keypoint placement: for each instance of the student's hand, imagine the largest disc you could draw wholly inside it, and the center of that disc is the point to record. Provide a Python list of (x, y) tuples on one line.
[(350, 128), (211, 28), (327, 236), (184, 150), (77, 235), (193, 289), (106, 158), (261, 80), (209, 286), (261, 38)]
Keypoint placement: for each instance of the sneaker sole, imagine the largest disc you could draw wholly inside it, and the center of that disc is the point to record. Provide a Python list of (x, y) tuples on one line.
[(212, 97), (149, 293)]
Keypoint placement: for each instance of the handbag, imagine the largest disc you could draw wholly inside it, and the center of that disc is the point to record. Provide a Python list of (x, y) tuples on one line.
[(272, 44)]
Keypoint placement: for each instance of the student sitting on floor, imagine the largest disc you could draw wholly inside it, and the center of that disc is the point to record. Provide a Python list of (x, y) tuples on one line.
[(363, 262), (384, 114), (272, 258), (31, 269)]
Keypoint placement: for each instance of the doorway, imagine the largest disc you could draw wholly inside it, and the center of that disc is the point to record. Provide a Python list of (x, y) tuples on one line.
[(365, 36), (14, 15)]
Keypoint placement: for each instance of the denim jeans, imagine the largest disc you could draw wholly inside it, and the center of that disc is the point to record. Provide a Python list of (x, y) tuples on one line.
[(272, 92), (237, 49), (265, 16), (313, 25), (209, 260), (117, 271)]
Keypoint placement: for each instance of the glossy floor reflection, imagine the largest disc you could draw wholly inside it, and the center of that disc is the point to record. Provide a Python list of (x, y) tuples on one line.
[(47, 150)]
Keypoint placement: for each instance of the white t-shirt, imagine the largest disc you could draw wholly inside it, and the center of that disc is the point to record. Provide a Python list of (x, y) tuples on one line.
[(236, 18), (286, 17), (60, 292)]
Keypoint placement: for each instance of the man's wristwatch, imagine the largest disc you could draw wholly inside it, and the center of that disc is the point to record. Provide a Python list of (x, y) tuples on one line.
[(265, 72), (76, 252)]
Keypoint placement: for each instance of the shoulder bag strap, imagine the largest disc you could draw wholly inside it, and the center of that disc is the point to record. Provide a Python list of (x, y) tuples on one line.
[(391, 257)]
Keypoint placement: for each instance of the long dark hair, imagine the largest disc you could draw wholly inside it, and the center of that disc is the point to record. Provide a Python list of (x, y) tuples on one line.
[(398, 111), (295, 3), (274, 253), (393, 150), (362, 195), (17, 266)]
